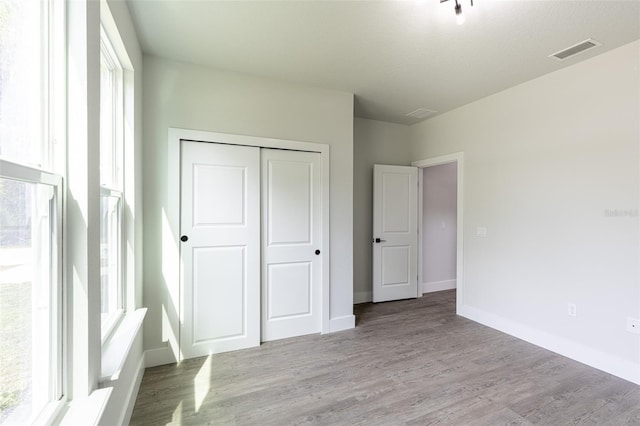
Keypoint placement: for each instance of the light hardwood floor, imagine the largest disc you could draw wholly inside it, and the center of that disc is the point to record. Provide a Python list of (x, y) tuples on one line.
[(412, 362)]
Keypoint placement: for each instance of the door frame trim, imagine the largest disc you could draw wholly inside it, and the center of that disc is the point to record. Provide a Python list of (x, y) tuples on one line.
[(457, 157), (175, 136)]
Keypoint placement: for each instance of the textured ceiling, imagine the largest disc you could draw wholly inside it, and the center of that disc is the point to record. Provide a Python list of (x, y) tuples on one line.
[(395, 56)]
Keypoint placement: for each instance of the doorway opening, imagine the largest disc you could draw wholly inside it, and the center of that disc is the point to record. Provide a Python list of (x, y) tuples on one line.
[(440, 229)]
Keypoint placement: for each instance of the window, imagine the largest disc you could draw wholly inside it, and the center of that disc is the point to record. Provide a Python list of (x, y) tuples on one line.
[(23, 81), (111, 182), (30, 212), (30, 292)]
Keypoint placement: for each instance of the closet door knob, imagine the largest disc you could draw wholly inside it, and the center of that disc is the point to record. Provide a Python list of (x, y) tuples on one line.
[(184, 238), (317, 252)]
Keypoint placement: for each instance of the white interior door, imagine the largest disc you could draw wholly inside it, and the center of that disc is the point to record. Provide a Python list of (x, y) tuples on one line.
[(291, 243), (220, 248), (395, 232)]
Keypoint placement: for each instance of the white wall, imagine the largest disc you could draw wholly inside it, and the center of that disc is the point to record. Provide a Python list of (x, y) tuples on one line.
[(374, 142), (544, 163), (439, 187), (193, 97)]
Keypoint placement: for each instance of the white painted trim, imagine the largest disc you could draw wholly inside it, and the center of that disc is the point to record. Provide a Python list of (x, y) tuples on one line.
[(420, 221), (457, 157), (613, 365), (11, 170), (82, 199), (326, 238), (158, 356), (115, 351), (432, 286), (173, 276), (133, 393), (342, 323), (362, 297), (437, 161), (175, 135), (233, 139), (52, 414), (87, 410)]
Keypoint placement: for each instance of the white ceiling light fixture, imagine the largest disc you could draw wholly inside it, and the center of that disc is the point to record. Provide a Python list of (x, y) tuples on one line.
[(460, 18)]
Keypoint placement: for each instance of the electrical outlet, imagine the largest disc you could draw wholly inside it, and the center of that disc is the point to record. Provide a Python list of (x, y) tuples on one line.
[(633, 325), (572, 310)]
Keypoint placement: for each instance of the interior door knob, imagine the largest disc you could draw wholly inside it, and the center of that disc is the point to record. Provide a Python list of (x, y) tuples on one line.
[(378, 240), (317, 252), (184, 238)]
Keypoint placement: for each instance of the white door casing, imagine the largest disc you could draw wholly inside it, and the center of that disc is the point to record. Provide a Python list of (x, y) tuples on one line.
[(458, 158), (173, 316), (291, 243), (220, 216), (395, 232)]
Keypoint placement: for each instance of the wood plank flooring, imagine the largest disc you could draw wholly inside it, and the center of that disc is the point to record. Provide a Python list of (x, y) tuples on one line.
[(411, 362)]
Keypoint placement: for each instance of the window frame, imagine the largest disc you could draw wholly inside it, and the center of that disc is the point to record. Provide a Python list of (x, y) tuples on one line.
[(115, 186), (109, 324), (32, 175), (49, 170)]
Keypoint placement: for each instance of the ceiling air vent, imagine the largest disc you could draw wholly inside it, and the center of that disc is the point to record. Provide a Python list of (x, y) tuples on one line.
[(575, 49), (421, 113)]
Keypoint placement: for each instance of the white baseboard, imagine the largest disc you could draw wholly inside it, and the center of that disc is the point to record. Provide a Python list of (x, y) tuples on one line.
[(362, 297), (432, 286), (158, 356), (602, 361), (342, 323), (133, 393)]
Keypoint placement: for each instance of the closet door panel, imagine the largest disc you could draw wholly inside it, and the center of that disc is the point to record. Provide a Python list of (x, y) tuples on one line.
[(220, 248), (291, 235)]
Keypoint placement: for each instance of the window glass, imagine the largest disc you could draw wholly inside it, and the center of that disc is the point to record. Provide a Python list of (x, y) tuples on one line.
[(111, 199), (107, 122), (28, 321), (109, 255), (23, 88), (30, 244)]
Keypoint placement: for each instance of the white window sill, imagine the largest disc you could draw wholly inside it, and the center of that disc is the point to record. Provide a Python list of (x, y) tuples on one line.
[(86, 411), (22, 414), (116, 349)]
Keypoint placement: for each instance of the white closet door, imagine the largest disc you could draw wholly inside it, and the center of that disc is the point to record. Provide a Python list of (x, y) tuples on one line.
[(220, 220), (291, 249)]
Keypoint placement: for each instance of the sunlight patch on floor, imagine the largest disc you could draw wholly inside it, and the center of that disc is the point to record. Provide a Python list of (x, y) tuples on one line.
[(202, 384), (176, 416)]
